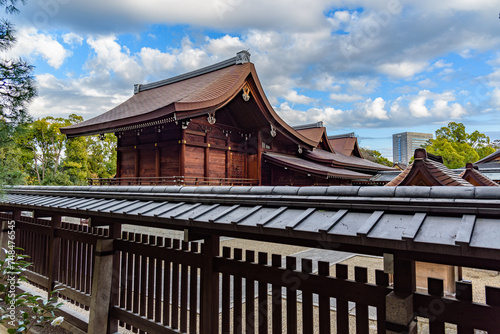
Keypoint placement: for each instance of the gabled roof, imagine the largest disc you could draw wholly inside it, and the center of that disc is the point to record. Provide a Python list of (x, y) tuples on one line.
[(346, 144), (493, 157), (427, 172), (315, 132), (472, 175), (305, 166), (186, 96), (341, 160)]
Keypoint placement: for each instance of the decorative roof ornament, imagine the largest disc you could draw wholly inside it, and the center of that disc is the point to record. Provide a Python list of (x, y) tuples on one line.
[(242, 57), (299, 150), (246, 93), (273, 131), (211, 118), (137, 88)]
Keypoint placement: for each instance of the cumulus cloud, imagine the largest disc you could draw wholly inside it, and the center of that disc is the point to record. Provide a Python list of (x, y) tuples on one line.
[(72, 38), (375, 108), (31, 43), (403, 69)]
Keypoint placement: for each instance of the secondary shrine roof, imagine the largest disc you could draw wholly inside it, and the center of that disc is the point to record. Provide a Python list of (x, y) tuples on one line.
[(425, 171), (341, 160), (311, 167), (475, 177)]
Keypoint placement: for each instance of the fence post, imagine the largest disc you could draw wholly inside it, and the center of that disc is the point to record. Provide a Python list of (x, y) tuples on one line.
[(54, 252), (210, 287), (101, 287), (115, 232), (399, 316)]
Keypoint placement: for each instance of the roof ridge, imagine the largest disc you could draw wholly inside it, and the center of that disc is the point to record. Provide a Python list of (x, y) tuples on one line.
[(241, 57)]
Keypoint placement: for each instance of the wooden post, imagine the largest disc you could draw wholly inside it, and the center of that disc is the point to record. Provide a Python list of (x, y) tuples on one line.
[(210, 287), (5, 236), (182, 154), (207, 157), (259, 157), (228, 157), (101, 287), (54, 251), (157, 161), (136, 162), (399, 303), (115, 232)]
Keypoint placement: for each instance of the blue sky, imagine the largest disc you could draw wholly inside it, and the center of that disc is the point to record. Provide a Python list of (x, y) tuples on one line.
[(369, 66)]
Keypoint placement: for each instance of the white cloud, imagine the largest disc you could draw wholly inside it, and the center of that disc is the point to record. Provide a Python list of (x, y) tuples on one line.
[(294, 97), (375, 109), (111, 56), (155, 62), (400, 70), (72, 38), (345, 97), (31, 43)]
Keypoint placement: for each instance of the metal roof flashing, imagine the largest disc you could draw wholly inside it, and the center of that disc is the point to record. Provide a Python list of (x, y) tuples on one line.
[(241, 57)]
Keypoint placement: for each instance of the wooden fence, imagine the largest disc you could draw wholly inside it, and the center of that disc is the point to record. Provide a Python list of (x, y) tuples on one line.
[(160, 285)]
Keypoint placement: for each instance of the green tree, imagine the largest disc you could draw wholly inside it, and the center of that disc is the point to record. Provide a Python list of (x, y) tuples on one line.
[(17, 86), (375, 156), (457, 147), (102, 156), (43, 145)]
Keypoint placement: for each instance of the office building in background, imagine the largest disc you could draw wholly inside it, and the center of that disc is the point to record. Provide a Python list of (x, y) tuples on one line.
[(404, 145)]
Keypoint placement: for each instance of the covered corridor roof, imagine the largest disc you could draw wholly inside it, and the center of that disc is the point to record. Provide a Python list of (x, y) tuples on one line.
[(459, 223)]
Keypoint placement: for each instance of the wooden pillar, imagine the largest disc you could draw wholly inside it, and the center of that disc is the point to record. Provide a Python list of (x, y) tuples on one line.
[(118, 156), (157, 160), (207, 157), (182, 154), (101, 287), (210, 287), (399, 303), (118, 163), (228, 158), (115, 232), (5, 237), (259, 157), (137, 162), (54, 251)]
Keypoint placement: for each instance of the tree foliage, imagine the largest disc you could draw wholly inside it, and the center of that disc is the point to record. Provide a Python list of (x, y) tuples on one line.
[(457, 147), (40, 154), (17, 85), (375, 156)]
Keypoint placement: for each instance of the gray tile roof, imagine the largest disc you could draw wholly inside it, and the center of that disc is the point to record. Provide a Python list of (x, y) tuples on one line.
[(458, 221)]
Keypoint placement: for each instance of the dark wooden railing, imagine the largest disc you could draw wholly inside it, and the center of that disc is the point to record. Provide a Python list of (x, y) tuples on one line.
[(162, 285), (172, 180)]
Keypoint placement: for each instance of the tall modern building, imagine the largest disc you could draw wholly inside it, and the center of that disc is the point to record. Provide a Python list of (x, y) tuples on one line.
[(405, 143)]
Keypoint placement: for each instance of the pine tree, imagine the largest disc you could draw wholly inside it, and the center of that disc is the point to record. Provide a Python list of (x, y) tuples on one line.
[(17, 85)]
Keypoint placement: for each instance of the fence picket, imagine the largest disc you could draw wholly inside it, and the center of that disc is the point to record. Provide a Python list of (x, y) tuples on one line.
[(237, 296), (342, 305), (307, 300), (277, 305), (249, 297), (362, 322), (262, 300), (291, 298), (226, 294), (324, 301), (193, 293), (435, 288), (464, 293)]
